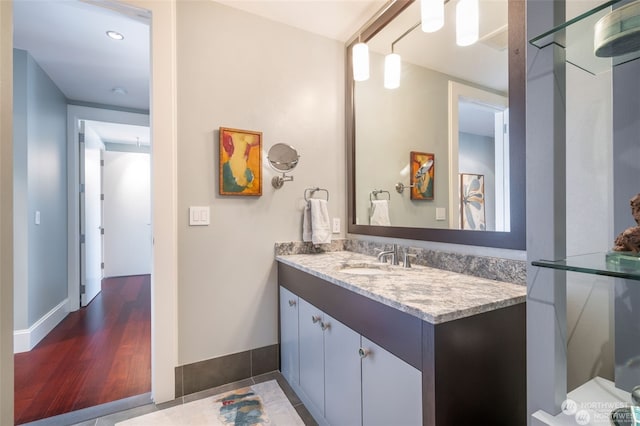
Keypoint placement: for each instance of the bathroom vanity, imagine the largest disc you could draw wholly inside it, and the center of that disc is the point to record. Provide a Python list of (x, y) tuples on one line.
[(368, 343)]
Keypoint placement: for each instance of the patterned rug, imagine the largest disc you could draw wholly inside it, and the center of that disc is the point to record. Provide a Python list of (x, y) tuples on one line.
[(261, 404)]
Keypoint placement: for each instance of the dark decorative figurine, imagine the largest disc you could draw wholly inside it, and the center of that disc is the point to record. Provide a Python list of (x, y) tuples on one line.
[(629, 239)]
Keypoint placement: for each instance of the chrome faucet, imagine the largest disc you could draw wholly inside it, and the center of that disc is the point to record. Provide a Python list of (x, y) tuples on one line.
[(393, 253)]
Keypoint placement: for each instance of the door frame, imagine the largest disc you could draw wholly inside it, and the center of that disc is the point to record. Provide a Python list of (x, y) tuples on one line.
[(456, 91), (75, 114), (164, 288)]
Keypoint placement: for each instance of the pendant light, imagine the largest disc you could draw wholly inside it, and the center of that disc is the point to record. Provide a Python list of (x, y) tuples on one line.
[(392, 67), (467, 26), (432, 15), (360, 54)]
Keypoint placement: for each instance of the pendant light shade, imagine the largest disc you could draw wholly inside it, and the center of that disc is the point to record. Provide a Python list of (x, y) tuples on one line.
[(392, 67), (432, 15), (360, 54), (467, 22)]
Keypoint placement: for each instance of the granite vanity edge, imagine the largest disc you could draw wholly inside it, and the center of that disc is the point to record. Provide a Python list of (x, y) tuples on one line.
[(300, 247), (492, 268), (433, 319)]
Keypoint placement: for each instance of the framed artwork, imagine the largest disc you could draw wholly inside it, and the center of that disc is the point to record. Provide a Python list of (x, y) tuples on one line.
[(422, 168), (240, 162), (472, 202)]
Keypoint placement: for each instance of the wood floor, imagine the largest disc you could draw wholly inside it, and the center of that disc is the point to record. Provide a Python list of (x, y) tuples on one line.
[(98, 354)]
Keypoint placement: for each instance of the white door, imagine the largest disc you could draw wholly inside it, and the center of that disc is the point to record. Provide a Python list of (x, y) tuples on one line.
[(341, 374), (289, 336), (311, 355), (90, 215), (127, 213), (391, 389)]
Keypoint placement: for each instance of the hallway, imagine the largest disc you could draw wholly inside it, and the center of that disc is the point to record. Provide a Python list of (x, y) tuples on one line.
[(98, 354)]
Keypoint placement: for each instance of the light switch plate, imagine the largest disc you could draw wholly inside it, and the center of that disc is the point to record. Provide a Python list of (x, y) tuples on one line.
[(199, 216), (336, 225), (37, 218), (441, 213)]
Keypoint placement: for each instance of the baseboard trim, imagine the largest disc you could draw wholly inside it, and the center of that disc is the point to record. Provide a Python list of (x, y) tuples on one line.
[(26, 339), (214, 372)]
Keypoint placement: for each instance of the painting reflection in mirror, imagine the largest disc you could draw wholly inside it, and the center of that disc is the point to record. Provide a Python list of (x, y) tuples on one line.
[(472, 213), (422, 175), (451, 102)]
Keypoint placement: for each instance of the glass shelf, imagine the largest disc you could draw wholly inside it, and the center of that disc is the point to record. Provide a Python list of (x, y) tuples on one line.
[(576, 36), (610, 264)]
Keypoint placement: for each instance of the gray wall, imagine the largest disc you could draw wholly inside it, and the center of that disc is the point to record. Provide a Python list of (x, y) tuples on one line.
[(477, 156), (46, 192), (238, 70), (6, 214), (389, 125), (626, 161), (20, 199)]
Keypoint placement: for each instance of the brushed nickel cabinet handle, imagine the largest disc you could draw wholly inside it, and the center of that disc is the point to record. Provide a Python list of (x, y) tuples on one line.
[(364, 352)]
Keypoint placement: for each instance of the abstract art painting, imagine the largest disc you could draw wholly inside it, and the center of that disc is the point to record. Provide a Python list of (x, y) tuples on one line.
[(472, 214), (240, 162)]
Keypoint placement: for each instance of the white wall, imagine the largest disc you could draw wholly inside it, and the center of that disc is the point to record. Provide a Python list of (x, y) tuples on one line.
[(589, 224), (239, 70)]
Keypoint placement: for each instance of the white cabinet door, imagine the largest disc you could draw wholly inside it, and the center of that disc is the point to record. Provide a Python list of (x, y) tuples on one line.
[(391, 389), (290, 366), (343, 404), (311, 354)]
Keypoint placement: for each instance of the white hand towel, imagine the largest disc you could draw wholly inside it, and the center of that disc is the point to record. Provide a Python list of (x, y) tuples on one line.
[(306, 223), (320, 226), (380, 213)]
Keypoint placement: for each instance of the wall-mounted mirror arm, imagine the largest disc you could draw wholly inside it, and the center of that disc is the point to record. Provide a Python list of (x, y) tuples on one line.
[(278, 181), (400, 187)]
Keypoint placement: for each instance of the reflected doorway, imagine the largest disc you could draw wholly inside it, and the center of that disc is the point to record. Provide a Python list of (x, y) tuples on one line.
[(479, 159)]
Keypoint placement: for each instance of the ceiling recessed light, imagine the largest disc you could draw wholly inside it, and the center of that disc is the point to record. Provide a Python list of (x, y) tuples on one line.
[(115, 35), (119, 91)]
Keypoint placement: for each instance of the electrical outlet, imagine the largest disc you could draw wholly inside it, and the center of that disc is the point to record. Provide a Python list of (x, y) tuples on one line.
[(336, 225)]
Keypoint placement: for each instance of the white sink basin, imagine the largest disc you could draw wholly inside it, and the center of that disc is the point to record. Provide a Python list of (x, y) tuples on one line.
[(365, 269)]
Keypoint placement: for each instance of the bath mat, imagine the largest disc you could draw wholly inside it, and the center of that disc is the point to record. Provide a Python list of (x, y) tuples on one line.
[(261, 404)]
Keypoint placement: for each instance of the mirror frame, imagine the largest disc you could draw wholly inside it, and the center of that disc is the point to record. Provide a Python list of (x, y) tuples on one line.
[(516, 238)]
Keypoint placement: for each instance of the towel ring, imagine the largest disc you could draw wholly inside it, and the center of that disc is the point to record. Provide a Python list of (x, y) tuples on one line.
[(374, 194), (311, 191)]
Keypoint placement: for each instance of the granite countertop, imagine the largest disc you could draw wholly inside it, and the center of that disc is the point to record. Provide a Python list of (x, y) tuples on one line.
[(433, 295)]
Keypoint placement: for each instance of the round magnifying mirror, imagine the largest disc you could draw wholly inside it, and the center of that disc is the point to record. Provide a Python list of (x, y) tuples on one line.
[(283, 157)]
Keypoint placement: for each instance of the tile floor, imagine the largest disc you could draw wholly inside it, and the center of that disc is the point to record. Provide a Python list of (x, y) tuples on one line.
[(112, 413)]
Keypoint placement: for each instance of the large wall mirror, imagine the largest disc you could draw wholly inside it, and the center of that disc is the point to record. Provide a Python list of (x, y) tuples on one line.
[(440, 157)]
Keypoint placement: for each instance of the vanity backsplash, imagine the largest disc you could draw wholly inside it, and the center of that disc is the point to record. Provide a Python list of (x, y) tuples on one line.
[(494, 268)]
